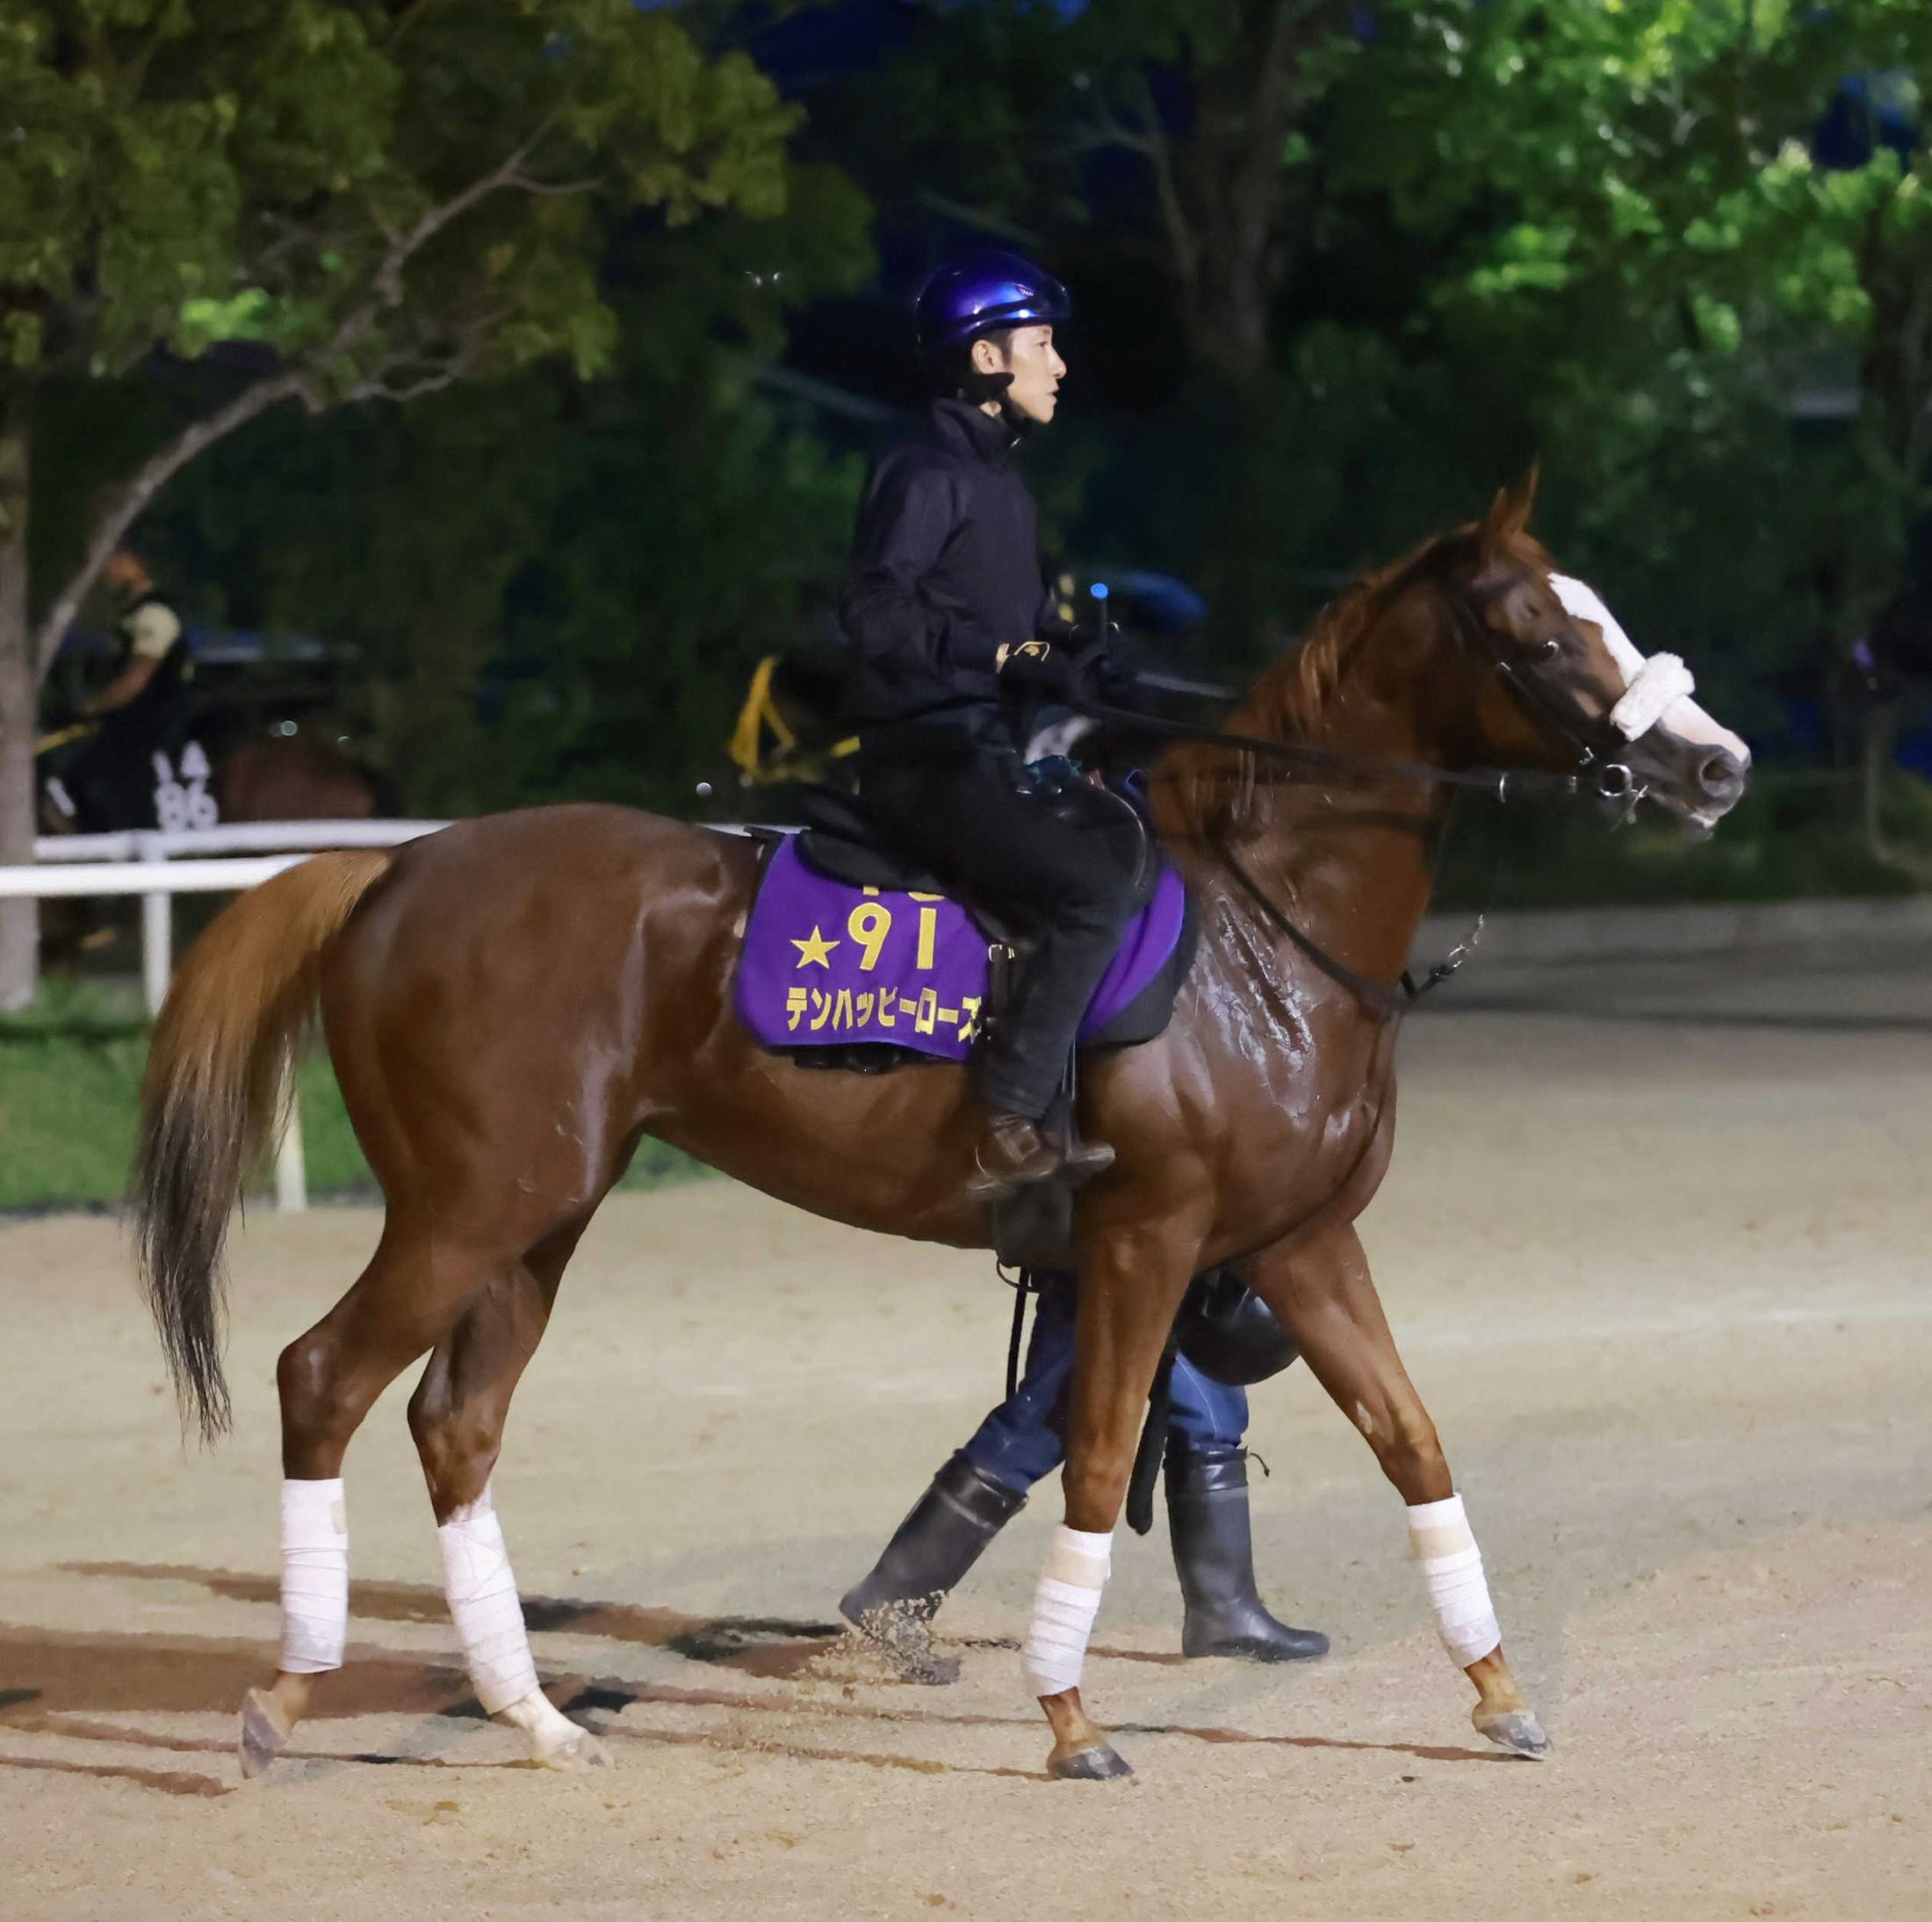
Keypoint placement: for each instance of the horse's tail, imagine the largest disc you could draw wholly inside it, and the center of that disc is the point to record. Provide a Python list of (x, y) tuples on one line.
[(218, 1075)]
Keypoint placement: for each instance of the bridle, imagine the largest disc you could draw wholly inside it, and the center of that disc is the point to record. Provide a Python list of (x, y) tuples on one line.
[(1594, 739)]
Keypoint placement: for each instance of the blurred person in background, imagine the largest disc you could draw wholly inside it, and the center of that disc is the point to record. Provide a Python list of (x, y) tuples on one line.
[(104, 765)]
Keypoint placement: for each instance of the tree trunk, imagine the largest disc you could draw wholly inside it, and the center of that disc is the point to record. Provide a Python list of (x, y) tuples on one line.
[(19, 920), (1875, 762)]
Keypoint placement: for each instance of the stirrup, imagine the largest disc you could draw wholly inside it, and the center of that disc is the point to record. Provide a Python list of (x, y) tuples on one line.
[(1047, 1160)]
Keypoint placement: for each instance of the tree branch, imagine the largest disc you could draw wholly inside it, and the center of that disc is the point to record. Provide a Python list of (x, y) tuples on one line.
[(387, 278), (297, 382), (987, 219), (146, 482), (387, 387), (527, 185), (1183, 242)]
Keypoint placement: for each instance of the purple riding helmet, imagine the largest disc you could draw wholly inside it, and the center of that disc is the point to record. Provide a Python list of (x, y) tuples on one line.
[(974, 293)]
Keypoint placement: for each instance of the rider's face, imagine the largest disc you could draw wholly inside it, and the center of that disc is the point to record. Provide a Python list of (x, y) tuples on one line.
[(123, 576), (1036, 369)]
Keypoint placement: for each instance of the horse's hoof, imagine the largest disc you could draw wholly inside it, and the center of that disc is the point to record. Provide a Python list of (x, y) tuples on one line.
[(1102, 1762), (583, 1751), (263, 1736), (1516, 1731)]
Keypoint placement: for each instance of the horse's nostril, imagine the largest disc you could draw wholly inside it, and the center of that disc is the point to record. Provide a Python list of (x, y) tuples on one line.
[(1722, 776)]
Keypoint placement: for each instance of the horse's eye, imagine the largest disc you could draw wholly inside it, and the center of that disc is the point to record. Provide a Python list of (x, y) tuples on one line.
[(1550, 649)]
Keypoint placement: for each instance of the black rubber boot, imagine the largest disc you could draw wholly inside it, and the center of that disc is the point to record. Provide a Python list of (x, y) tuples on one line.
[(1214, 1556), (927, 1558)]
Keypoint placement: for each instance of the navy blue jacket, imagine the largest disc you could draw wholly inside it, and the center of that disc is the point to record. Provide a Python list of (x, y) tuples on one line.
[(945, 572)]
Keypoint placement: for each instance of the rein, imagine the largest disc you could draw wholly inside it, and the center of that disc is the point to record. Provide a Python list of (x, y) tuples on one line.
[(1388, 1000), (1614, 783), (1500, 783)]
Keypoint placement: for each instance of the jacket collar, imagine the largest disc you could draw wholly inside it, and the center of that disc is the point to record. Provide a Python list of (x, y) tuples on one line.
[(961, 424)]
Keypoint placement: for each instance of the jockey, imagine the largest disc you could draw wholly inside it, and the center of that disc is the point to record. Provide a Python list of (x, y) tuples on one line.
[(106, 769), (984, 1484), (151, 658), (952, 627)]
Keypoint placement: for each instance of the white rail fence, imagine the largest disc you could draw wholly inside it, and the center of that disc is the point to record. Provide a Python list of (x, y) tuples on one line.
[(157, 867)]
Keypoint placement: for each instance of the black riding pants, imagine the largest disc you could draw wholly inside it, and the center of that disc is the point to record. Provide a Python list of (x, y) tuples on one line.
[(1057, 881)]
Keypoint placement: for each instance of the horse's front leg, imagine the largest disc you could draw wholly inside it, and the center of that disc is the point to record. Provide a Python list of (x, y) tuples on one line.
[(1325, 1297), (1131, 1283)]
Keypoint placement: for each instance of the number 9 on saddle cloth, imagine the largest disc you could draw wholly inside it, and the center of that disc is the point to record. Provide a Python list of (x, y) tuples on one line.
[(855, 958)]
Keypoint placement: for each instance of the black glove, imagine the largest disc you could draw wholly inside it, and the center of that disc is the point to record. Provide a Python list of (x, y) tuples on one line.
[(1107, 677), (1072, 665), (1046, 667)]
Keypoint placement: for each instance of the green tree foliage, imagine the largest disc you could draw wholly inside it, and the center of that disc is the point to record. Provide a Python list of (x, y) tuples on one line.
[(1673, 284), (554, 590), (347, 200), (1476, 232)]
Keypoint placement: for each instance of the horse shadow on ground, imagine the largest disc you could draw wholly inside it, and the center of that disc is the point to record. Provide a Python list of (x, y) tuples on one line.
[(67, 1683)]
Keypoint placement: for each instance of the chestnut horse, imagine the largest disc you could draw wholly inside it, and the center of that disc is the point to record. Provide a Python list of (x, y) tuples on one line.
[(511, 1003)]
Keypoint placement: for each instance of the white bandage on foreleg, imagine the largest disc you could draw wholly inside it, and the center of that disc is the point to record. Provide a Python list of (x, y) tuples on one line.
[(315, 1576), (1446, 1551), (1064, 1606), (489, 1618)]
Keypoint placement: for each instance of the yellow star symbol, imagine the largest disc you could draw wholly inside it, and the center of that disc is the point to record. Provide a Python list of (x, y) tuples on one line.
[(816, 951)]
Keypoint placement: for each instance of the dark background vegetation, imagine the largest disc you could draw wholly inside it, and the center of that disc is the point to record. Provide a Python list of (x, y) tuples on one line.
[(1342, 268), (553, 474)]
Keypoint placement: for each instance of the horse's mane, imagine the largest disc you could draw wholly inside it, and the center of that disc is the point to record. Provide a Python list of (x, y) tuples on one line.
[(1213, 786)]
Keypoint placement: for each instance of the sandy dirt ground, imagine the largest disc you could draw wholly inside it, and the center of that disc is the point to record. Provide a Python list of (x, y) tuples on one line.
[(1655, 1248)]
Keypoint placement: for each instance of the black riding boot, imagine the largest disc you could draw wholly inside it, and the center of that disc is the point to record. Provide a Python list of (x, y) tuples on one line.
[(1214, 1556), (927, 1558)]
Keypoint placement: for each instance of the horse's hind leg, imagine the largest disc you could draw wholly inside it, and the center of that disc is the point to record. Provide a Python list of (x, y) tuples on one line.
[(457, 1415), (406, 1301), (1326, 1299)]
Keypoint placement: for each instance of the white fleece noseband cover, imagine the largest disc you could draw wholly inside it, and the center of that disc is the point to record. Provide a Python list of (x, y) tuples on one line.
[(1446, 1551), (1652, 685), (483, 1602), (1065, 1607), (1658, 686), (315, 1576)]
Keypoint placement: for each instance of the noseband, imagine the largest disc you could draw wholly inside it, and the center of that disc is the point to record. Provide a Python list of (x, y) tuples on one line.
[(1597, 742)]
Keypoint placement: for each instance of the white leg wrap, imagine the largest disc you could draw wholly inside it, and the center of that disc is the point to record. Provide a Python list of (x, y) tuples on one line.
[(1440, 1540), (548, 1727), (1064, 1606), (489, 1618), (315, 1576)]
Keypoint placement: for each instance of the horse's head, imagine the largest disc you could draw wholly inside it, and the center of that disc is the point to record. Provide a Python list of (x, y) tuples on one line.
[(1571, 689)]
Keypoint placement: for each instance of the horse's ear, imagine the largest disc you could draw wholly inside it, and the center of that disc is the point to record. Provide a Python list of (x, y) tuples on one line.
[(1510, 512)]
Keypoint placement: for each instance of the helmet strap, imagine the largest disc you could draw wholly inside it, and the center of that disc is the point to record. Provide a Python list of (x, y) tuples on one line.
[(954, 376)]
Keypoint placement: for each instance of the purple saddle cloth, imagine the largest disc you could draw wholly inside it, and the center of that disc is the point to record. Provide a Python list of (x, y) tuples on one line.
[(825, 964)]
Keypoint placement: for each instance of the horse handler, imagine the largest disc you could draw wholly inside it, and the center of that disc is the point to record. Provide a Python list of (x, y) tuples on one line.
[(1022, 1441)]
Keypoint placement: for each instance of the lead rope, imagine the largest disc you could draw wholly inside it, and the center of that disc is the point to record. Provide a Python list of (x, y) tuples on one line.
[(1022, 1285), (1153, 1447)]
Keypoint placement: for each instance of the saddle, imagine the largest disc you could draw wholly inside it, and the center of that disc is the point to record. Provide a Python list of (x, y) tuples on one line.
[(855, 958), (839, 841)]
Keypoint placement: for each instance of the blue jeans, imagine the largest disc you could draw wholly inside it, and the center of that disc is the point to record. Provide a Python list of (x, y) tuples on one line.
[(1023, 1439)]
